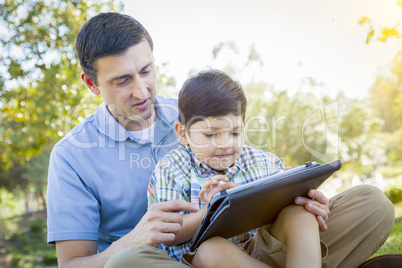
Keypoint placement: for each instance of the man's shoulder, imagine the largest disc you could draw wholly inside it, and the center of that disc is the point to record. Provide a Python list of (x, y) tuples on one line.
[(82, 133), (163, 99), (167, 108)]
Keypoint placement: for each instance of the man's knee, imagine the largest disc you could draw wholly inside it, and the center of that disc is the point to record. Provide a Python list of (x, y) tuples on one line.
[(142, 256), (375, 200)]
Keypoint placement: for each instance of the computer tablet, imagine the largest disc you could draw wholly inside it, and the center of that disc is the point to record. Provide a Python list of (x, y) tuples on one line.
[(253, 205)]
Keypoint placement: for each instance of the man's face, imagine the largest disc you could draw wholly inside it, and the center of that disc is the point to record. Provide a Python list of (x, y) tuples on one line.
[(127, 83), (217, 141)]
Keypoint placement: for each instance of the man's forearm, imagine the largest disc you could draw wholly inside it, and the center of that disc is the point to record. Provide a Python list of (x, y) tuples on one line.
[(84, 253)]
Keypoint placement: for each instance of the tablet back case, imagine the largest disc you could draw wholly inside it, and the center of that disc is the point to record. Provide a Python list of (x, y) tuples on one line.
[(235, 211)]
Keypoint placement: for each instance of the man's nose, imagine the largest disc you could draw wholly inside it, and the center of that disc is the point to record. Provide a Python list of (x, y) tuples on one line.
[(139, 89)]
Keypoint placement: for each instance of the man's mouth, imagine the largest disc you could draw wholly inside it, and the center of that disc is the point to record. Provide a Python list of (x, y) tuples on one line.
[(142, 105)]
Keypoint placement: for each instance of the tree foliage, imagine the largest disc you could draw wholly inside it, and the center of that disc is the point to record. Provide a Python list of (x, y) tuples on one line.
[(386, 92), (383, 33), (41, 95), (41, 75)]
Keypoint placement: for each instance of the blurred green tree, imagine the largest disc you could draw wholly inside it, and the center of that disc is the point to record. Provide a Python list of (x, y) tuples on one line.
[(41, 95), (41, 86), (297, 128), (386, 92), (383, 33)]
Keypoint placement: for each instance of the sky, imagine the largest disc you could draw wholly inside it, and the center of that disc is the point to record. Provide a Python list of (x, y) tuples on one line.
[(320, 39)]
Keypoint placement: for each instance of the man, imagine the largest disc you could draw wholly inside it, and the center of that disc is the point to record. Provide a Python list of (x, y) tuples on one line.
[(99, 172)]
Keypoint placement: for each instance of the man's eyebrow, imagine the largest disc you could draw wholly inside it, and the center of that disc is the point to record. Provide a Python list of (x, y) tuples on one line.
[(146, 66)]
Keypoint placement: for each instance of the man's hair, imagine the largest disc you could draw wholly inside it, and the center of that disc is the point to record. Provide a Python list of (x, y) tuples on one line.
[(107, 34), (210, 93)]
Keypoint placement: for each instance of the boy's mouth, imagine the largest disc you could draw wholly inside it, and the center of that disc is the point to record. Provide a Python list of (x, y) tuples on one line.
[(222, 156)]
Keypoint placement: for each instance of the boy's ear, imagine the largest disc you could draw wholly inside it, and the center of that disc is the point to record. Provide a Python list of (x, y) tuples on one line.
[(90, 83), (181, 133)]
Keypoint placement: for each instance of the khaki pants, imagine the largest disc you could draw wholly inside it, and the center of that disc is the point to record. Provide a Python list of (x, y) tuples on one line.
[(143, 256), (360, 221)]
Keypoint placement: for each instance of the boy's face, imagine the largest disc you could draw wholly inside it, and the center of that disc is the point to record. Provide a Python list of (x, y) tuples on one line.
[(127, 83), (216, 141)]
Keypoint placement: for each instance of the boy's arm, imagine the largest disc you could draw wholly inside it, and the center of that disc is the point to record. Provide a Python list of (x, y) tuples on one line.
[(189, 227), (192, 221)]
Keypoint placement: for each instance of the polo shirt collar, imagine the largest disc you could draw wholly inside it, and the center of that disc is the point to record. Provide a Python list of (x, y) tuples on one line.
[(166, 112)]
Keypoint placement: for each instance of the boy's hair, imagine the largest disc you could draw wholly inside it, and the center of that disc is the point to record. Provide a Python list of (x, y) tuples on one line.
[(210, 93), (107, 34)]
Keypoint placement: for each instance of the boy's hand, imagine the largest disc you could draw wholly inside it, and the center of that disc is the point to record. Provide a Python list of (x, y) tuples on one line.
[(216, 184), (317, 204)]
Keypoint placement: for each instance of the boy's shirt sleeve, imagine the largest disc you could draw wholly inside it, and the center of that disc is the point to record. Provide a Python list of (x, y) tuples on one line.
[(166, 184)]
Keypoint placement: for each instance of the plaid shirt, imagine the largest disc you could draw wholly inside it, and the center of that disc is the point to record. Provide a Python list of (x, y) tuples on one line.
[(180, 176)]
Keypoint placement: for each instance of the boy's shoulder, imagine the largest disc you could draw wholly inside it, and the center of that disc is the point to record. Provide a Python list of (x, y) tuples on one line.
[(254, 153), (179, 158), (251, 156)]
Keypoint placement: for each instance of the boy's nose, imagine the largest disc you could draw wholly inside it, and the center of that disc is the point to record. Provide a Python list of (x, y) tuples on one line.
[(224, 144)]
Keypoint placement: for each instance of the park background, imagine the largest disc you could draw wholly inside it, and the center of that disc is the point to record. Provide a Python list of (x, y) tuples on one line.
[(322, 77)]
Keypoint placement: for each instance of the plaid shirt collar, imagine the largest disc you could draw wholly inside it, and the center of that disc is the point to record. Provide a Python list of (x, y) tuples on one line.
[(203, 169)]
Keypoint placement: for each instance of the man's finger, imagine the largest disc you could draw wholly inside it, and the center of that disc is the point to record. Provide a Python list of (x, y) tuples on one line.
[(175, 206)]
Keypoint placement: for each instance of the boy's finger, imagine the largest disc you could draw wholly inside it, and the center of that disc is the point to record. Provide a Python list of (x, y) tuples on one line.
[(220, 178)]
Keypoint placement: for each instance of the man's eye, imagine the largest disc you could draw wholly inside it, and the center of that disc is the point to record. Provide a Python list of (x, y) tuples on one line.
[(145, 72), (235, 133), (122, 82), (210, 134)]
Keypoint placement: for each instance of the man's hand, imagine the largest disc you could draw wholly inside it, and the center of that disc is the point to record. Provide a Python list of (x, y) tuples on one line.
[(160, 224), (216, 184), (317, 204)]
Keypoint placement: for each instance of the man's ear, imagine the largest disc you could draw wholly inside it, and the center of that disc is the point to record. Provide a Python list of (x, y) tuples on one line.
[(90, 83), (181, 133)]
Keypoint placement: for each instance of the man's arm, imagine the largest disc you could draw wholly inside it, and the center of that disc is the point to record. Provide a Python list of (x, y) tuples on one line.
[(159, 225)]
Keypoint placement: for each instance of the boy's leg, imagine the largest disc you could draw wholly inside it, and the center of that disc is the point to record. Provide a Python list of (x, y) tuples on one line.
[(302, 232), (219, 252), (142, 256), (360, 221), (298, 230)]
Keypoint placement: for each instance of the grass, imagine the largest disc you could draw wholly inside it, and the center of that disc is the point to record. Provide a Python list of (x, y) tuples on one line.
[(24, 243), (394, 241)]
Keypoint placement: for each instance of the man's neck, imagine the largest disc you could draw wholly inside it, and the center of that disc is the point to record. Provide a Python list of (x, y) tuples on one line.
[(132, 125)]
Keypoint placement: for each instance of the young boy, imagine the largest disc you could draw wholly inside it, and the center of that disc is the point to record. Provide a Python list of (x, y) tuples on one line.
[(212, 157)]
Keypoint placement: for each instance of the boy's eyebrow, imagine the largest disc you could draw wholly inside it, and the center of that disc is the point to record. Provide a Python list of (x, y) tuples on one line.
[(129, 75), (214, 128)]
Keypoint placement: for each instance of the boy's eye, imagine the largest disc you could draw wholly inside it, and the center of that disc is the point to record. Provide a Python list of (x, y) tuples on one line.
[(209, 134), (236, 133)]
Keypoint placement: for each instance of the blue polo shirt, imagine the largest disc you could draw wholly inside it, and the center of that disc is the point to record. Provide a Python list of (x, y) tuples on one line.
[(98, 176)]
